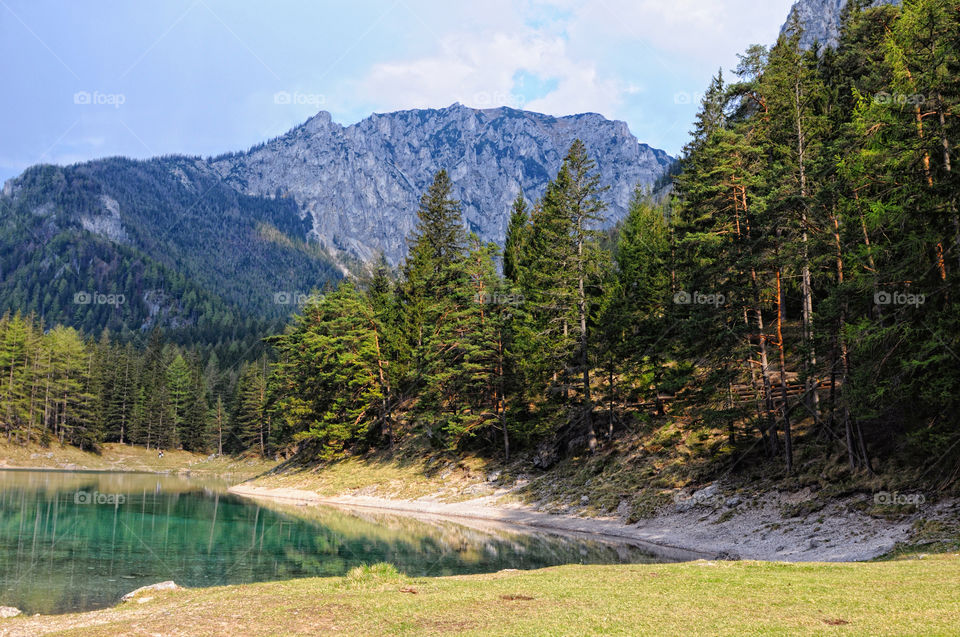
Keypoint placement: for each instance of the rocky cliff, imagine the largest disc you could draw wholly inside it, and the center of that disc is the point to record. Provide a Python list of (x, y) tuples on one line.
[(361, 184), (821, 20)]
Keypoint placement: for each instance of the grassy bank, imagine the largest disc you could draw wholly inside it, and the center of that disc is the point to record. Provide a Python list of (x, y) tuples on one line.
[(407, 473), (905, 597), (117, 457)]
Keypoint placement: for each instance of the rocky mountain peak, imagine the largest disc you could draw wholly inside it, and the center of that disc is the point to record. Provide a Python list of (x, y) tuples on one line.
[(319, 123), (361, 184), (821, 20)]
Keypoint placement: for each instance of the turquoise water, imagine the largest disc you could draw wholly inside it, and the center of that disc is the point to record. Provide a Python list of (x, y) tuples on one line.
[(72, 541)]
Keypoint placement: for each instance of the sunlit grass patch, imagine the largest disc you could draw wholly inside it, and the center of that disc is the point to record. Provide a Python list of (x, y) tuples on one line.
[(910, 596)]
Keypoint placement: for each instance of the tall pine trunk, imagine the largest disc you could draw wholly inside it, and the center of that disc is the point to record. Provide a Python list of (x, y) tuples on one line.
[(584, 343), (787, 433), (806, 290), (761, 334)]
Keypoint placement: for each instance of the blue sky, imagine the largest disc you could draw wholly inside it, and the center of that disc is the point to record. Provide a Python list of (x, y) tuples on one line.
[(85, 79)]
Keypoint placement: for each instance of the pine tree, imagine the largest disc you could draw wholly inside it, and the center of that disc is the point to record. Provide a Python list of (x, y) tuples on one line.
[(638, 313), (69, 400), (561, 267), (431, 268), (513, 246), (249, 421), (331, 380), (796, 130), (434, 298), (179, 391)]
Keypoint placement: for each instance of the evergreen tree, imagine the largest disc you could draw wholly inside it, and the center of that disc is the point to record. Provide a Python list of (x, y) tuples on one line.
[(331, 378), (561, 268), (248, 424), (513, 246), (430, 271), (179, 391), (636, 316), (434, 299)]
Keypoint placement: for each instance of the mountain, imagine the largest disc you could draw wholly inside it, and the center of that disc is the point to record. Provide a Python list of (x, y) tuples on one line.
[(130, 245), (214, 246), (361, 184), (821, 20)]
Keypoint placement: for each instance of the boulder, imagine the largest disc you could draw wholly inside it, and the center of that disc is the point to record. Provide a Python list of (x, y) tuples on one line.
[(8, 611), (706, 493), (546, 456), (169, 585)]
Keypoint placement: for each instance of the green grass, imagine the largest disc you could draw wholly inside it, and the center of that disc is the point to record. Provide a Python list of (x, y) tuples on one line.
[(117, 457), (406, 474), (905, 597), (375, 574)]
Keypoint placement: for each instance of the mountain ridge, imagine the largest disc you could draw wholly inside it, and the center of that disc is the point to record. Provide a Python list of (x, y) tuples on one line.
[(361, 183), (193, 242)]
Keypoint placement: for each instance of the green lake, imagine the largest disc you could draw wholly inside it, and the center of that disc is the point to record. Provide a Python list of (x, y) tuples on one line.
[(73, 541)]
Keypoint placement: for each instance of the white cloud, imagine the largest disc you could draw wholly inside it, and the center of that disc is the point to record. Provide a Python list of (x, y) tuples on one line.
[(478, 69), (705, 31), (570, 42)]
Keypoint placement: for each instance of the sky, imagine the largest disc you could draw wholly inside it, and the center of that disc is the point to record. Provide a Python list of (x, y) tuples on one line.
[(84, 79)]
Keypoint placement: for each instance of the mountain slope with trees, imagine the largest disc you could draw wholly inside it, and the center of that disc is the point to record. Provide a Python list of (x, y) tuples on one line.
[(794, 302), (134, 245), (789, 311)]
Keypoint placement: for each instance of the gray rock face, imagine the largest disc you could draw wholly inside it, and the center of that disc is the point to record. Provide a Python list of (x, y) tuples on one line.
[(169, 585), (108, 223), (821, 20), (361, 184)]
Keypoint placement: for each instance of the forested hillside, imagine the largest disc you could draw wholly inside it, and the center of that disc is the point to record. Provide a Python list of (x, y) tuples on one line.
[(792, 303), (59, 386), (134, 245), (796, 297)]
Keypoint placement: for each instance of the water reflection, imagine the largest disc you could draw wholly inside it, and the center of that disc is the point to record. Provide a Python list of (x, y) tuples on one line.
[(79, 540)]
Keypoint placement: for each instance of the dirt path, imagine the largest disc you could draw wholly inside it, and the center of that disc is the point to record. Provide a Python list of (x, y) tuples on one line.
[(707, 526)]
